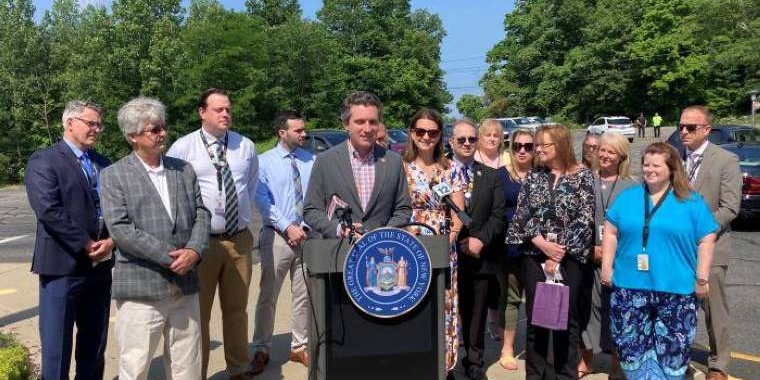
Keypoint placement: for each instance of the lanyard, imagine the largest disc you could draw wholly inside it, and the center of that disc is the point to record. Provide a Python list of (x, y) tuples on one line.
[(218, 162), (649, 214), (606, 204)]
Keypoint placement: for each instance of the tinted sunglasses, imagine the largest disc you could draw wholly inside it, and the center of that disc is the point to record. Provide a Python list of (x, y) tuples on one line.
[(156, 129), (462, 140), (432, 133), (689, 127), (516, 146)]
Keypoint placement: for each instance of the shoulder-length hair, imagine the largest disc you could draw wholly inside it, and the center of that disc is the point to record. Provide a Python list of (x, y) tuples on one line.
[(673, 160), (620, 145), (491, 125), (512, 164), (563, 144), (411, 152)]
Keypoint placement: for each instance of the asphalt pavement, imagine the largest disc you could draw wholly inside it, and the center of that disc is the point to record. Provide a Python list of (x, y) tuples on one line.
[(19, 295)]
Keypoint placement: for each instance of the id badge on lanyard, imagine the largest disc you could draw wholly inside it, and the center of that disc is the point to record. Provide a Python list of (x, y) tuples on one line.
[(642, 260)]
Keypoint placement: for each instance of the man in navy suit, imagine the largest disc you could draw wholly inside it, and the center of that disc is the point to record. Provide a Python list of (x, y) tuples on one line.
[(72, 252)]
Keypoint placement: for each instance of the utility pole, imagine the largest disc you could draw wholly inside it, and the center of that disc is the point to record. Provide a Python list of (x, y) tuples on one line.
[(753, 95)]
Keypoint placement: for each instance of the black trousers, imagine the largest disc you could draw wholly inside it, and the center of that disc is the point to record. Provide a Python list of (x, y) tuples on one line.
[(473, 308), (565, 343)]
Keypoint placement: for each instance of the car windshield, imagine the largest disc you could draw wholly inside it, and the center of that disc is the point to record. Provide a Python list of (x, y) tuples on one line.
[(747, 135), (334, 138), (397, 135), (619, 121), (523, 121), (508, 124)]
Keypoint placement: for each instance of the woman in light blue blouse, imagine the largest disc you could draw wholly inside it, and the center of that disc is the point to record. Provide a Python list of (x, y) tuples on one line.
[(656, 252)]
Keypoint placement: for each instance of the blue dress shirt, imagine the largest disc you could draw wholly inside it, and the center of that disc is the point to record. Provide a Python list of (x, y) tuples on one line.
[(275, 193)]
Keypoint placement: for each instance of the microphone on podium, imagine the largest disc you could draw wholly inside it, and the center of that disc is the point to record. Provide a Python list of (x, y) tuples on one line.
[(444, 191)]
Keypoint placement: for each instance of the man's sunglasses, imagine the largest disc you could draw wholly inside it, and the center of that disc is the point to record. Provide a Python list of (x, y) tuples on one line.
[(689, 127), (432, 133), (516, 146), (462, 140)]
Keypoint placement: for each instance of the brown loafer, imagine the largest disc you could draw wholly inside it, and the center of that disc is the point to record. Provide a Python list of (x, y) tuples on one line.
[(259, 361), (716, 375), (299, 356)]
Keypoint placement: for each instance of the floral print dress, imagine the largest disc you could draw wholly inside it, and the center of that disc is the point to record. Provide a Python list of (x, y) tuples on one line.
[(427, 208)]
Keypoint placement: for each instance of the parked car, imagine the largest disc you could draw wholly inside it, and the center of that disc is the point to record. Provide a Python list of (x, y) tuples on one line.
[(749, 164), (448, 130), (397, 140), (529, 122), (722, 134), (613, 124), (320, 140), (509, 125)]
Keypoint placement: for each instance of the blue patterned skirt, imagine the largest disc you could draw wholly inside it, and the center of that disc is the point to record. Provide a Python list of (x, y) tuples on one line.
[(653, 332)]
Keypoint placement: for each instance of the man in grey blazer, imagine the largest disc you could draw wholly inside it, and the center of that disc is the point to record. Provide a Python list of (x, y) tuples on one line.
[(714, 173), (363, 174), (153, 208)]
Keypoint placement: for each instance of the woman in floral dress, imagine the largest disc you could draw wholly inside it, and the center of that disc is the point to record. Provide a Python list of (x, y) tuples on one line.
[(425, 163)]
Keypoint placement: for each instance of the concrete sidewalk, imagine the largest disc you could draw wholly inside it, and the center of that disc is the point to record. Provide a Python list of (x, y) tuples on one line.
[(19, 315)]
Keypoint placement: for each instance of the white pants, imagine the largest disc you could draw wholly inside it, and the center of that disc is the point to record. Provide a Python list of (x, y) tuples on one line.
[(141, 324), (277, 260)]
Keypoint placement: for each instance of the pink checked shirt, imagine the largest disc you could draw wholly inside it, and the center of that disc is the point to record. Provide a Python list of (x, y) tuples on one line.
[(364, 173)]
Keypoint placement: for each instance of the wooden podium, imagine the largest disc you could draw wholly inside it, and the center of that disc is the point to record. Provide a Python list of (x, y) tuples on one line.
[(346, 343)]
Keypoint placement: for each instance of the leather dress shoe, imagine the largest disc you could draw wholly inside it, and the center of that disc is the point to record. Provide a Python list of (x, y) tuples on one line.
[(716, 375), (476, 373), (259, 361), (300, 356), (247, 375)]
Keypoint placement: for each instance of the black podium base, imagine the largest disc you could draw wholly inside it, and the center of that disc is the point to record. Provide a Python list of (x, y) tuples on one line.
[(399, 348)]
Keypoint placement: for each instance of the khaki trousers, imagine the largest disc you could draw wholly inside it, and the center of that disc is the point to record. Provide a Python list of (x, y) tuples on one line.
[(717, 320), (140, 326), (277, 260), (227, 263)]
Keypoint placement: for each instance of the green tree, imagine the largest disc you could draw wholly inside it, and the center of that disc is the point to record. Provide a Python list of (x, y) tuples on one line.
[(471, 106), (274, 12)]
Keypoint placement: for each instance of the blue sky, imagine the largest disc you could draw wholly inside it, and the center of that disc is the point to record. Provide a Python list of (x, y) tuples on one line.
[(472, 27)]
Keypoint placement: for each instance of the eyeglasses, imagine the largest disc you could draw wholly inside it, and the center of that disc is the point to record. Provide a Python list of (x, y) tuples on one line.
[(516, 146), (156, 129), (470, 139), (590, 147), (96, 125), (432, 133), (689, 127), (545, 145)]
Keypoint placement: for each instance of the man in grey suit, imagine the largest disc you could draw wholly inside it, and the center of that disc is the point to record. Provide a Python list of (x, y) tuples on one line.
[(153, 208), (363, 174), (714, 173)]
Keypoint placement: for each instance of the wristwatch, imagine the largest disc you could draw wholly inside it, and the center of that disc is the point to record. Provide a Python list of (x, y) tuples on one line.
[(702, 281)]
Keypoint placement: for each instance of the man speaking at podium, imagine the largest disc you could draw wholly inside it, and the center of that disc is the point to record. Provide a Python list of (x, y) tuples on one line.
[(363, 175)]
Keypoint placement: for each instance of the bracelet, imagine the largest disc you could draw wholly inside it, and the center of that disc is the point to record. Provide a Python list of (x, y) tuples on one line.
[(702, 281)]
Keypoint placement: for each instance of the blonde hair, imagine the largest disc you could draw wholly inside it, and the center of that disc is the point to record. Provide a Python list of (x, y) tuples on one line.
[(620, 145), (512, 163), (489, 125), (563, 144)]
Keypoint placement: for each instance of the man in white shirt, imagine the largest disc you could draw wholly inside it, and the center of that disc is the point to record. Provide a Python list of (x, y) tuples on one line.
[(156, 217), (284, 178), (227, 169), (714, 173)]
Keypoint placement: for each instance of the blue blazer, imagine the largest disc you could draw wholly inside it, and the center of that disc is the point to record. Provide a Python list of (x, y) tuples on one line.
[(59, 194)]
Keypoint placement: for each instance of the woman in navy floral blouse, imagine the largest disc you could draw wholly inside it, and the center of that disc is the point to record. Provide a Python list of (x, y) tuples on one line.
[(554, 228)]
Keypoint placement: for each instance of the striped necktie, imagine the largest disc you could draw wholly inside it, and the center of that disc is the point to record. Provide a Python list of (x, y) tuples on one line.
[(230, 192), (297, 187)]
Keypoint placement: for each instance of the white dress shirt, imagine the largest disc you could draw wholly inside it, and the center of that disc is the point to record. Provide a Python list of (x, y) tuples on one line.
[(158, 177), (242, 161)]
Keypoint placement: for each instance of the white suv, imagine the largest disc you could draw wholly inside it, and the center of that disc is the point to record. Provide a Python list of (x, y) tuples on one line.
[(613, 124)]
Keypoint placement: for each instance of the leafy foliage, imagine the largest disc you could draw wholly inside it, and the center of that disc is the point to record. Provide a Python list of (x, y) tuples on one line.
[(267, 57), (578, 59)]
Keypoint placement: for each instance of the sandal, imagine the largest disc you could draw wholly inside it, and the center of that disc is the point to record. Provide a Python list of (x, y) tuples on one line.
[(582, 374), (508, 362)]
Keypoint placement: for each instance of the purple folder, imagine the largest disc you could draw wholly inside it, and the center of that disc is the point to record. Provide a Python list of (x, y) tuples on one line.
[(550, 306)]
